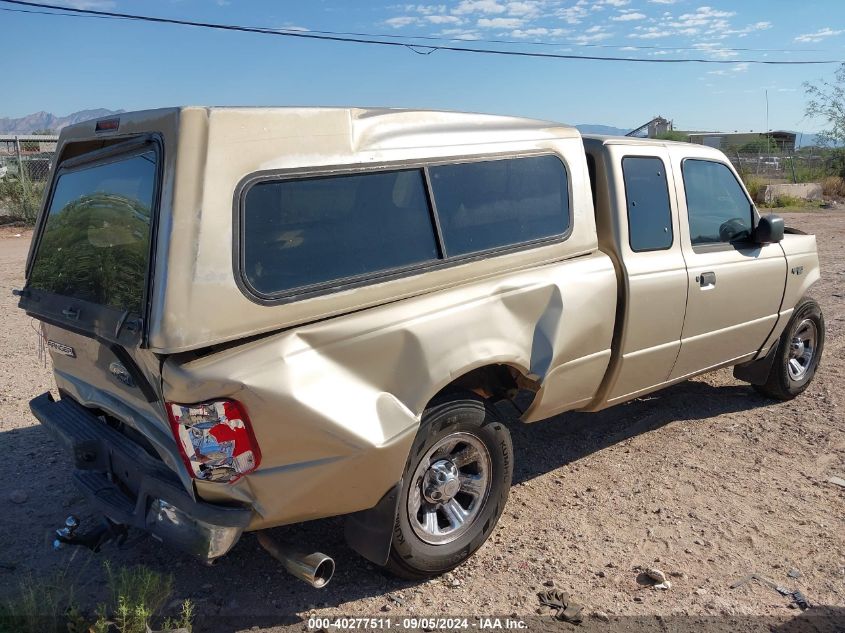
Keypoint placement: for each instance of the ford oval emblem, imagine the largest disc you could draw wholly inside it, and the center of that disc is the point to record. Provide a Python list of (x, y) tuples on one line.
[(119, 371)]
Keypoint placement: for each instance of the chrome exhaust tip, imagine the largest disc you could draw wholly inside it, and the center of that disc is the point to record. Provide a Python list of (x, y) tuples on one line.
[(316, 569)]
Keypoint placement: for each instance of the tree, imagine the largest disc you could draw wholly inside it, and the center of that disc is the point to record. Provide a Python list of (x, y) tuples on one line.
[(764, 145), (826, 101), (672, 135)]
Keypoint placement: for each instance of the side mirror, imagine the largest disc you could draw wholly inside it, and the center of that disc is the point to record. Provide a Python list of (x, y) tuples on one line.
[(769, 229)]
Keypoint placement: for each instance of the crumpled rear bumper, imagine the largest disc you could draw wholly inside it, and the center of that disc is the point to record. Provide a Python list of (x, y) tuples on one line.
[(131, 487)]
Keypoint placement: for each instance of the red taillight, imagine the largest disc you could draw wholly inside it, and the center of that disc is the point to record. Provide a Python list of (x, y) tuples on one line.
[(107, 125), (215, 439)]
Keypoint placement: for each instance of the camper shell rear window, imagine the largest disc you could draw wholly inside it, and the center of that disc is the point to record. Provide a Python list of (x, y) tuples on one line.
[(93, 254), (306, 234)]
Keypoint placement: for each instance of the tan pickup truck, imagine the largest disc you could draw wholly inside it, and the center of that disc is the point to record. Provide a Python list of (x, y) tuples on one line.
[(263, 316)]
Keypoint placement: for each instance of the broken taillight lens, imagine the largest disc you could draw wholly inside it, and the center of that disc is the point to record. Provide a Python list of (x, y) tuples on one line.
[(215, 439)]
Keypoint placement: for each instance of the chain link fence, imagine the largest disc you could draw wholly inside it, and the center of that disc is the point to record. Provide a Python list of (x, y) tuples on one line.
[(785, 167), (25, 162)]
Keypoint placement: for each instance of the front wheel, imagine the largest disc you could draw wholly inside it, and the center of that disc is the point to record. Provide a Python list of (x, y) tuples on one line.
[(455, 486), (798, 354)]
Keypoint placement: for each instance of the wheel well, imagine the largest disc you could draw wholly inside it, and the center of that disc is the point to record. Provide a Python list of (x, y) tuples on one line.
[(495, 382)]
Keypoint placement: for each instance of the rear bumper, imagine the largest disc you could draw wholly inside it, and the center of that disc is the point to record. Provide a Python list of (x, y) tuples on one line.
[(120, 479)]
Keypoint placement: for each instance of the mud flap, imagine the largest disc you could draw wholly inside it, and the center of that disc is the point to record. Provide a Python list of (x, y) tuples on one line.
[(757, 371), (370, 532)]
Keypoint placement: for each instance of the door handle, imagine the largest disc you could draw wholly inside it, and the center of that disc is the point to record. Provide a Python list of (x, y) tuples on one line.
[(706, 280)]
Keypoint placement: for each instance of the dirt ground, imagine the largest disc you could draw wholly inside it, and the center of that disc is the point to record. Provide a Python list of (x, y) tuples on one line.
[(707, 481)]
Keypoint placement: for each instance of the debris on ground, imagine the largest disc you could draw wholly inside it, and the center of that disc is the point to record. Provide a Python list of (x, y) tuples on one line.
[(796, 597), (657, 576), (793, 573), (838, 481), (567, 610)]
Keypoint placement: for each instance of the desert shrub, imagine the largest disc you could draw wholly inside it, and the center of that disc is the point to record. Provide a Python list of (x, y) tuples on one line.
[(137, 596), (672, 135), (40, 606), (833, 187), (755, 187), (781, 202), (23, 199)]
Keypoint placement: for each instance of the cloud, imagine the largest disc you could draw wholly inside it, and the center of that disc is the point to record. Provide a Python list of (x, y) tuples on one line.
[(536, 32), (593, 34), (499, 23), (574, 14), (818, 36), (650, 32), (735, 69), (402, 20), (461, 34), (629, 17), (478, 6), (443, 19), (524, 9)]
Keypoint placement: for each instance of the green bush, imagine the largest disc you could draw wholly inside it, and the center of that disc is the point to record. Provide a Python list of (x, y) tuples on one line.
[(781, 202), (755, 187), (137, 596), (41, 606), (22, 198), (672, 135)]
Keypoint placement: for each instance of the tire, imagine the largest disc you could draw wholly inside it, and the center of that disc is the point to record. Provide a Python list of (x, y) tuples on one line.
[(795, 365), (462, 455)]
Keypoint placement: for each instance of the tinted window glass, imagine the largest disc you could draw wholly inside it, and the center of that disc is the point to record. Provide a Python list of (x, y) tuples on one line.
[(484, 205), (96, 240), (310, 231), (647, 195), (717, 206)]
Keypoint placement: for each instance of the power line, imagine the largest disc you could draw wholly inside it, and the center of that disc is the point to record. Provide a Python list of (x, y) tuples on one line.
[(425, 50), (436, 38)]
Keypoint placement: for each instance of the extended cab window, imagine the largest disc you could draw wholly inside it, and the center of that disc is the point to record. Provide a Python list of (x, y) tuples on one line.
[(492, 204), (718, 208), (96, 241), (647, 195), (313, 231)]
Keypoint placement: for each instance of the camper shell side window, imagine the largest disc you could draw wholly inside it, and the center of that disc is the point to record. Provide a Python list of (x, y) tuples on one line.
[(303, 234)]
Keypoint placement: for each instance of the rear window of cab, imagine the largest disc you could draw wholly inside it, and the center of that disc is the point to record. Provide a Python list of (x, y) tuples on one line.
[(302, 235)]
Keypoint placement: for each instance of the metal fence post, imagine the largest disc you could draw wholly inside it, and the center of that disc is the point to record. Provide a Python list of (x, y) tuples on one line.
[(21, 175), (792, 162)]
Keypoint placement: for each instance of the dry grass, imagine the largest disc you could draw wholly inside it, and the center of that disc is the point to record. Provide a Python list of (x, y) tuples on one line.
[(833, 187)]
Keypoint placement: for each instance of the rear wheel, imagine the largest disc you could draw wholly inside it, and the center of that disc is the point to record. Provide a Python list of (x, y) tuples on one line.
[(455, 486), (798, 354)]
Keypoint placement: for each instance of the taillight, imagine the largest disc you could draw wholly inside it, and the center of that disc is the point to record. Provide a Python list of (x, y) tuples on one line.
[(215, 439)]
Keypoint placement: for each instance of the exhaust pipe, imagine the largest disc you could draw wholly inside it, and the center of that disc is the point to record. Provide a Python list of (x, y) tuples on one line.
[(316, 569)]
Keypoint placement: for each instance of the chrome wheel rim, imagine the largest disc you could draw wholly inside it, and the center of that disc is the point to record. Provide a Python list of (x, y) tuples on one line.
[(449, 487), (802, 349)]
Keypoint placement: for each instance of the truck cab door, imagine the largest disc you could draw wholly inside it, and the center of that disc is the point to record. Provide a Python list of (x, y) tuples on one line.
[(638, 224), (735, 285)]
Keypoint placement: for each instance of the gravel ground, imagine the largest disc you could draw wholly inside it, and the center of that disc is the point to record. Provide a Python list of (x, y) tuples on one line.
[(706, 480)]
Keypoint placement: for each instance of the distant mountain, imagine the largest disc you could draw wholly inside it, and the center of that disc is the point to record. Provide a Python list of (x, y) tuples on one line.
[(589, 128), (48, 121), (805, 140)]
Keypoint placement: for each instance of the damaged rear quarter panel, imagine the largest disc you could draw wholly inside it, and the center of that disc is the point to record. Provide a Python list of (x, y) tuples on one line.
[(335, 405)]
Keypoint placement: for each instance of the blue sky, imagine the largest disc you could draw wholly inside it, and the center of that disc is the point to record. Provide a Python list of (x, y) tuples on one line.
[(64, 64)]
